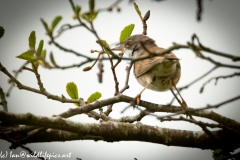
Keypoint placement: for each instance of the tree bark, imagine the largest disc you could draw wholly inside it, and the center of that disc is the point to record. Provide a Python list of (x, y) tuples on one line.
[(61, 129)]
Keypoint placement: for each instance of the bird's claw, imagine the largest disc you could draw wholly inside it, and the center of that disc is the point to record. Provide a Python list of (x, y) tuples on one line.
[(138, 99)]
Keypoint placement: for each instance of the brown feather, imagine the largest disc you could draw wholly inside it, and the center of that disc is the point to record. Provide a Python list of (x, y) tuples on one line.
[(142, 66)]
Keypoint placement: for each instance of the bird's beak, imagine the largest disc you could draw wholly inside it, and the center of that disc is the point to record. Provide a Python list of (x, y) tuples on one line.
[(118, 48)]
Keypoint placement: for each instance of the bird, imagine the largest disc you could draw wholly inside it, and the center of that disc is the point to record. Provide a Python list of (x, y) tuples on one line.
[(152, 69)]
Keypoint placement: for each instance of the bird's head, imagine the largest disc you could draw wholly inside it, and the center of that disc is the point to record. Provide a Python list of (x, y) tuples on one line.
[(134, 44)]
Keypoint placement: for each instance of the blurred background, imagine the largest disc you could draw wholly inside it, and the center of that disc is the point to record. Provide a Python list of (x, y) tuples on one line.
[(170, 21)]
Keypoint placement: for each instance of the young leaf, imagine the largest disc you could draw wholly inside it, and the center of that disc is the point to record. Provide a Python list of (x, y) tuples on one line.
[(1, 31), (28, 55), (53, 60), (72, 90), (43, 54), (40, 47), (126, 32), (137, 10), (55, 22), (93, 97), (77, 9), (86, 17), (32, 40), (45, 26), (91, 5), (92, 16), (103, 42)]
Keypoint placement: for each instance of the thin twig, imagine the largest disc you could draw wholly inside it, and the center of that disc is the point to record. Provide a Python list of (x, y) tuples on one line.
[(100, 67), (199, 10), (115, 4), (15, 76), (200, 123), (126, 86), (194, 81), (43, 92), (211, 51), (68, 50), (3, 100), (219, 77), (64, 28), (203, 108), (16, 142)]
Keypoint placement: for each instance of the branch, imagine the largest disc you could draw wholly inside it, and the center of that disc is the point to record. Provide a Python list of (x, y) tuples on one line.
[(15, 76), (211, 51), (194, 81), (67, 50), (115, 4), (15, 142), (64, 28), (123, 131), (128, 69), (3, 100), (199, 10), (43, 92), (201, 124), (100, 67), (121, 98), (219, 77)]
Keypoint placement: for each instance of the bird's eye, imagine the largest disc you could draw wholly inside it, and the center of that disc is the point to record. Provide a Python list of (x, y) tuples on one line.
[(127, 44)]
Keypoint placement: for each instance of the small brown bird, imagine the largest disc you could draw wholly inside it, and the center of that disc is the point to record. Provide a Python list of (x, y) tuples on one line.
[(158, 72)]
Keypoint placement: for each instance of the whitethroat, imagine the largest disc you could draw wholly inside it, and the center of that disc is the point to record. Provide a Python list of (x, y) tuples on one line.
[(153, 70)]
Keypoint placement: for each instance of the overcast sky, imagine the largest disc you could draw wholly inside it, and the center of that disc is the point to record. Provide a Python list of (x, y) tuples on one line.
[(170, 21)]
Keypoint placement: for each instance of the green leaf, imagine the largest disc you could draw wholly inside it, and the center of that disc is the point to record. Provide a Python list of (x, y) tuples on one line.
[(77, 9), (32, 40), (28, 55), (92, 16), (72, 90), (86, 17), (93, 97), (40, 47), (106, 46), (1, 31), (126, 32), (53, 60), (104, 43), (45, 25), (138, 11), (43, 54), (55, 22), (91, 5)]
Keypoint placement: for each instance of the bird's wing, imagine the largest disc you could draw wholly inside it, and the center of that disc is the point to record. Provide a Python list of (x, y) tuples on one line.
[(142, 66)]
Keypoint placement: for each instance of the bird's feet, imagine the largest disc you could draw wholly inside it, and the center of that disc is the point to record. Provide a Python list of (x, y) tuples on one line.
[(137, 99), (184, 106)]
